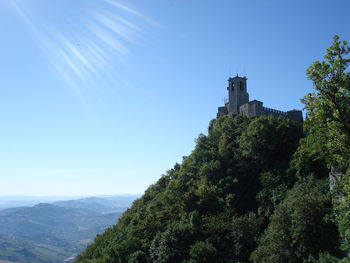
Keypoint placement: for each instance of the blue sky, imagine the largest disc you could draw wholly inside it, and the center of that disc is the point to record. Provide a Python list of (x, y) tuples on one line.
[(103, 96)]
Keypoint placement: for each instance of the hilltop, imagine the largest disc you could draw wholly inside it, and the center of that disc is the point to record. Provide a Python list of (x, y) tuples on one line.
[(246, 185)]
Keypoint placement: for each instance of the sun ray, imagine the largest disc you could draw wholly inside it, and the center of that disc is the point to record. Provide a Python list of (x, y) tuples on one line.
[(115, 27), (81, 51), (125, 8)]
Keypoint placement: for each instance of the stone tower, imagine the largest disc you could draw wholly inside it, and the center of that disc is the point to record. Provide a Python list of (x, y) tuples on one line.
[(237, 93)]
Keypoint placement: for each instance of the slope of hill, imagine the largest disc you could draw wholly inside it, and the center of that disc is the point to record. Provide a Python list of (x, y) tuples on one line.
[(248, 192), (24, 250), (55, 232)]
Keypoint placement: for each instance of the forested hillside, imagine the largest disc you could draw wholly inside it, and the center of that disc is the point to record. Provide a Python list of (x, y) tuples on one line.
[(252, 190)]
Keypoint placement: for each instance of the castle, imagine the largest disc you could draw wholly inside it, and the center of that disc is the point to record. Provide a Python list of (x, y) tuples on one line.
[(238, 103)]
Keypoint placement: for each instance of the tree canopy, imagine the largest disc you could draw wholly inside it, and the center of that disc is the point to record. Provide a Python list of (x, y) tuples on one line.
[(329, 121)]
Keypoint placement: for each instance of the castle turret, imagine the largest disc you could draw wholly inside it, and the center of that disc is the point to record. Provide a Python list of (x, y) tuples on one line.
[(237, 94)]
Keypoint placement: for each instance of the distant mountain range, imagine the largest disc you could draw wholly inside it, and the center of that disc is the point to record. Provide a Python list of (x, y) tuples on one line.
[(24, 200), (97, 204), (58, 231)]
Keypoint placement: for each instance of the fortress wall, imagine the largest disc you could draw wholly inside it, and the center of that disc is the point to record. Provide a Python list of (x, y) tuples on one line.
[(295, 115), (222, 111), (273, 112), (245, 110), (252, 108)]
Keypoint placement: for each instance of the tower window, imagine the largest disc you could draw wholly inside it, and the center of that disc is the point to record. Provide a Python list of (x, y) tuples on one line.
[(241, 85), (232, 86)]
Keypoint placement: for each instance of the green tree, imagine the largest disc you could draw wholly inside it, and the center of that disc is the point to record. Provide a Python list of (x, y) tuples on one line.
[(328, 107), (329, 120), (268, 141), (173, 245), (202, 252), (300, 226), (234, 237)]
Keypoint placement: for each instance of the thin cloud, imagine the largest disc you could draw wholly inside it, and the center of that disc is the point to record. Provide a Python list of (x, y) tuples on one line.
[(95, 40), (125, 8), (129, 10)]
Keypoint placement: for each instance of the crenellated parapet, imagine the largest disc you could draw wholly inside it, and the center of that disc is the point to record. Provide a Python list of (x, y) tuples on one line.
[(270, 111)]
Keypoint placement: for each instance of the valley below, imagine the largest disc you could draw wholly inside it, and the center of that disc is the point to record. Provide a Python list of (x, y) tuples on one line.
[(57, 231)]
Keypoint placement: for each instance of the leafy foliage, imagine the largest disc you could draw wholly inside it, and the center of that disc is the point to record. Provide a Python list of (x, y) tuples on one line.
[(300, 226), (328, 107), (329, 122)]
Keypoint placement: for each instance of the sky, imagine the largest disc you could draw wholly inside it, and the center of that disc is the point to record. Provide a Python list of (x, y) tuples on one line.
[(104, 96)]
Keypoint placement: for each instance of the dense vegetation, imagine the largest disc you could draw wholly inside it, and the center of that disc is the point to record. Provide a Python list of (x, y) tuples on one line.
[(252, 190)]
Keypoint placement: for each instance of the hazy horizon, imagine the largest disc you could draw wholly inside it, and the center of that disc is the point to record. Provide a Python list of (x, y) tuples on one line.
[(87, 195), (12, 201)]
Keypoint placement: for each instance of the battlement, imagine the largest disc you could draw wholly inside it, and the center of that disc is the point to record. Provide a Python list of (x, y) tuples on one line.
[(273, 111)]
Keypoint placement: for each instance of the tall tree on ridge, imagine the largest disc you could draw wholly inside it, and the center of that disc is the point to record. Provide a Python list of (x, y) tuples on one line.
[(329, 120)]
